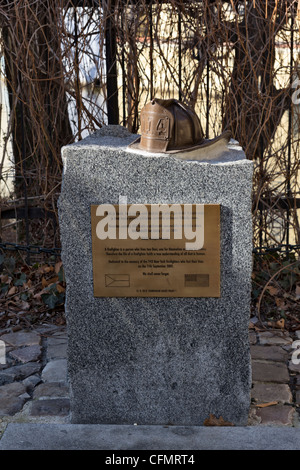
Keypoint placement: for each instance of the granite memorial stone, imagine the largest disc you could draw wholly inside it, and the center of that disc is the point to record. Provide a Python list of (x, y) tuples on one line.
[(156, 360)]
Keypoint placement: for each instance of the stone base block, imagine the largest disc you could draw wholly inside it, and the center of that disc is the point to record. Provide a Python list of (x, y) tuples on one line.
[(156, 360)]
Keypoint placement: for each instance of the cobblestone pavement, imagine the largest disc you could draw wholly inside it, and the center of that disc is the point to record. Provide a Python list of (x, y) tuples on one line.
[(275, 393), (34, 385)]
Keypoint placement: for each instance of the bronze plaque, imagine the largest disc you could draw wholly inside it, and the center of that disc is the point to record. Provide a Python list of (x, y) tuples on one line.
[(156, 250)]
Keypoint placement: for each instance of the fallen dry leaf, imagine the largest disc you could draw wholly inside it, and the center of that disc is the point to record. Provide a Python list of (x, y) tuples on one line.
[(25, 305), (47, 282), (48, 269), (28, 284), (60, 288), (264, 405), (58, 266), (280, 323), (272, 290), (12, 291), (281, 303), (277, 324), (45, 269), (4, 278), (214, 421)]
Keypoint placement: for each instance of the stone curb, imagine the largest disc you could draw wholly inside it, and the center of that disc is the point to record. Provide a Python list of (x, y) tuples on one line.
[(136, 438)]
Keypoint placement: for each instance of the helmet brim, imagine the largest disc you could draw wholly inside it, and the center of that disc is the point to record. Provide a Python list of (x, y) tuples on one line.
[(225, 137)]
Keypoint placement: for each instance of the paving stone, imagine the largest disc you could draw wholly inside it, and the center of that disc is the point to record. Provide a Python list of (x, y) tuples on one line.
[(51, 389), (21, 338), (15, 389), (55, 371), (288, 348), (298, 397), (253, 419), (252, 337), (278, 338), (294, 367), (25, 395), (51, 407), (27, 353), (8, 349), (9, 406), (56, 348), (269, 372), (12, 398), (266, 393), (278, 415), (46, 329), (19, 372), (31, 382), (271, 353), (59, 336)]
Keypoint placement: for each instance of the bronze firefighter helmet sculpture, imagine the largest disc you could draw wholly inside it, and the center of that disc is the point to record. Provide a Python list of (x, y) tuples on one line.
[(169, 126)]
